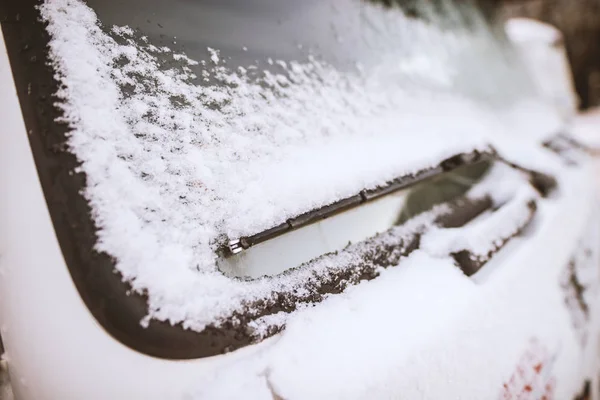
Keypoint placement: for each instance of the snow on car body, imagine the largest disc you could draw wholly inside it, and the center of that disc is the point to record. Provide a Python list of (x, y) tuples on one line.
[(200, 228)]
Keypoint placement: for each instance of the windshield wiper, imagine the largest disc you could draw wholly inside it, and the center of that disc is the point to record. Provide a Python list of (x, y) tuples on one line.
[(236, 246)]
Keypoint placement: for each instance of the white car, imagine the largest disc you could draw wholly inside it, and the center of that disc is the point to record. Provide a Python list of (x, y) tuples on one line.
[(272, 199)]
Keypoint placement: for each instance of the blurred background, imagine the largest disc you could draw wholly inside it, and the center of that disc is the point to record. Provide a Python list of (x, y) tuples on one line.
[(579, 21)]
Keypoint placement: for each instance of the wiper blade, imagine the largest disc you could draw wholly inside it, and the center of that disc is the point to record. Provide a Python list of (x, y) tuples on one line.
[(236, 246)]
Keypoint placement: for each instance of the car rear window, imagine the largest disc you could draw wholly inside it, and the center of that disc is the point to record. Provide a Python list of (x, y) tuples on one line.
[(161, 130)]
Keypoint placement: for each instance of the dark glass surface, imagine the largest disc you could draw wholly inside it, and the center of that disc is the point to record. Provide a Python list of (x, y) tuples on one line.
[(277, 29), (442, 189), (343, 33)]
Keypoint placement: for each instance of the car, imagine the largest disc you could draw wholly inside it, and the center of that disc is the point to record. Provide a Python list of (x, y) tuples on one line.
[(272, 199)]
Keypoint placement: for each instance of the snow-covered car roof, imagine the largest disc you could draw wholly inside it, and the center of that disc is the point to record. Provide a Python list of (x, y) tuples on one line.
[(182, 150)]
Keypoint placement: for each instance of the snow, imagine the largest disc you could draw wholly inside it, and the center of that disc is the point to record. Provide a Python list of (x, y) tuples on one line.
[(362, 323), (530, 30), (586, 128), (425, 331), (484, 235), (543, 52), (173, 168)]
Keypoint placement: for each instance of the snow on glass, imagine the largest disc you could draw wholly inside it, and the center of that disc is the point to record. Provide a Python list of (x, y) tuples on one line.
[(180, 154)]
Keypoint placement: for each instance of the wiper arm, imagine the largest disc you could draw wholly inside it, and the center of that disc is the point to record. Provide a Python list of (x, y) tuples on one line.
[(236, 246)]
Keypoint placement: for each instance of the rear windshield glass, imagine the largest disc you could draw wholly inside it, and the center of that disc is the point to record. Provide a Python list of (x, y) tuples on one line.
[(191, 122), (343, 33)]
